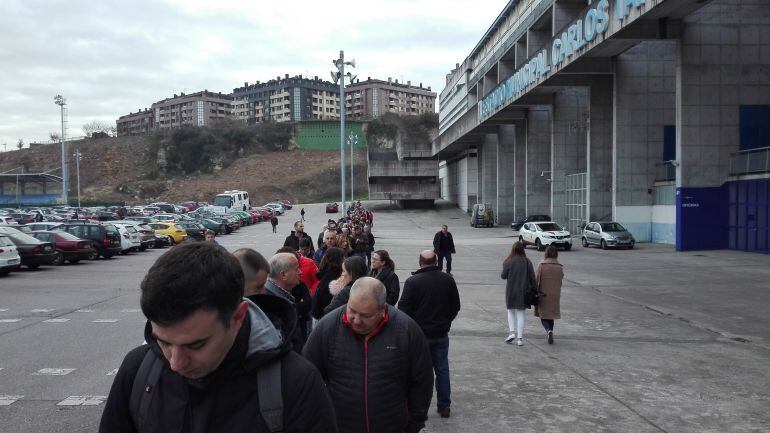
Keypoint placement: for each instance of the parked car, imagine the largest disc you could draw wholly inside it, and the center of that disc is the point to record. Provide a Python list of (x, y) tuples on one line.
[(23, 217), (516, 225), (105, 236), (482, 215), (194, 230), (33, 252), (164, 217), (542, 234), (162, 241), (219, 228), (607, 234), (164, 207), (9, 256), (139, 219), (106, 215), (265, 213), (129, 238), (170, 229), (68, 247), (332, 208), (276, 207), (286, 203), (42, 226), (8, 220), (190, 205), (245, 217)]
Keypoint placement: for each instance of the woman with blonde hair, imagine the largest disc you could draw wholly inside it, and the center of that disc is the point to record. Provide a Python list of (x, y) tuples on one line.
[(343, 241), (549, 275), (520, 276)]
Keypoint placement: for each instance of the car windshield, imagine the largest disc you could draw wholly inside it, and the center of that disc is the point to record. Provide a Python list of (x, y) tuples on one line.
[(612, 227), (223, 200), (5, 242), (110, 229), (550, 227), (22, 238)]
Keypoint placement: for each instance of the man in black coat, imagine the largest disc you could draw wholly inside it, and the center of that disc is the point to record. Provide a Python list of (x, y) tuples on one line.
[(430, 297), (210, 347), (444, 247), (375, 362), (298, 233)]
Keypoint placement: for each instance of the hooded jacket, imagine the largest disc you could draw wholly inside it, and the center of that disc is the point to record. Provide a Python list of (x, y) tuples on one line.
[(379, 384), (227, 399)]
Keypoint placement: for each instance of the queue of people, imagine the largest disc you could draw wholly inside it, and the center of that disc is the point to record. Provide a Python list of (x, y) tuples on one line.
[(227, 332)]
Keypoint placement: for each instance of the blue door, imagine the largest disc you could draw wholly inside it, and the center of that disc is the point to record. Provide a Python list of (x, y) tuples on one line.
[(749, 220)]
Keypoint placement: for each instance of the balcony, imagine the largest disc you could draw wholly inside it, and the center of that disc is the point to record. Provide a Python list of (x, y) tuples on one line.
[(752, 161), (403, 168), (665, 171)]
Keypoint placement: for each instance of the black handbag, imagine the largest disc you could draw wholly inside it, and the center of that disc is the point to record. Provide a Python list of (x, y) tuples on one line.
[(531, 296)]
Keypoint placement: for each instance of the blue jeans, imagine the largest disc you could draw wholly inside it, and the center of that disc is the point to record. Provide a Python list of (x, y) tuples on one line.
[(448, 257), (439, 352)]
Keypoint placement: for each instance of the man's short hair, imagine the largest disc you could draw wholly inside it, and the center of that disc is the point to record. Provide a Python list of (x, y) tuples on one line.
[(296, 223), (428, 258), (370, 287), (210, 232), (251, 263), (280, 262), (192, 277)]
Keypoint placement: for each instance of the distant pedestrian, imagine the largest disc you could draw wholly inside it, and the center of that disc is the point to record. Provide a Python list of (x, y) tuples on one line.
[(549, 275), (520, 273), (444, 247), (302, 215), (375, 362), (384, 270), (432, 300), (274, 222)]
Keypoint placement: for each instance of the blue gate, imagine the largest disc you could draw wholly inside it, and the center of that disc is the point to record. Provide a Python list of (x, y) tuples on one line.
[(749, 215)]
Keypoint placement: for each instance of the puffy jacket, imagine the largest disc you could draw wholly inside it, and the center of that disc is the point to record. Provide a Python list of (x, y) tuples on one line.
[(431, 298), (293, 241), (389, 278), (381, 384), (227, 400), (307, 273)]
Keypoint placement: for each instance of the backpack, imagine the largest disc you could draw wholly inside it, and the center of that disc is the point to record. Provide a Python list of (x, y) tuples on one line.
[(268, 384)]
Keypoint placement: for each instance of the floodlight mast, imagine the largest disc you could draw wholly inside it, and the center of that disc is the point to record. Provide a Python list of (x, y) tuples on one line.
[(61, 102), (340, 76)]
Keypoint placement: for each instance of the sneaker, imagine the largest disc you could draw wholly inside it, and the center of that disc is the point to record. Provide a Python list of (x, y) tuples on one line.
[(550, 337), (510, 338), (444, 412), (519, 342)]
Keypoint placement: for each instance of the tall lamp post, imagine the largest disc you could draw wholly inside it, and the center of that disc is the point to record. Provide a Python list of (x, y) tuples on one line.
[(340, 75), (61, 102), (77, 164)]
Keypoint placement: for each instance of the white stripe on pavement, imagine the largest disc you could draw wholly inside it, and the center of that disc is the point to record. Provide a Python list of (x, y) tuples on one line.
[(56, 320), (41, 310), (7, 400), (9, 320), (82, 400), (84, 310), (54, 371), (130, 310), (104, 320)]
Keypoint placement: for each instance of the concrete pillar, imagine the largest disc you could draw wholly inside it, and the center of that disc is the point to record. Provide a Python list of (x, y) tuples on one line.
[(569, 144), (520, 170), (645, 103), (488, 161), (506, 160), (538, 165), (600, 148), (472, 178)]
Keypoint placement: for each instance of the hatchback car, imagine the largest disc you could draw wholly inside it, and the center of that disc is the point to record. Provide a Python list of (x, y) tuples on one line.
[(9, 256), (194, 230), (105, 237), (33, 252), (542, 234), (68, 247), (516, 225), (607, 234), (332, 208), (34, 227), (129, 238), (172, 230)]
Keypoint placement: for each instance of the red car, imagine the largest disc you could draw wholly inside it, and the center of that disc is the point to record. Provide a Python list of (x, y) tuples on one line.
[(68, 246), (254, 216), (332, 208), (286, 203)]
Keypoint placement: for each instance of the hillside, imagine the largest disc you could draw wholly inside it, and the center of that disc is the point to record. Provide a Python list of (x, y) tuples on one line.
[(125, 169)]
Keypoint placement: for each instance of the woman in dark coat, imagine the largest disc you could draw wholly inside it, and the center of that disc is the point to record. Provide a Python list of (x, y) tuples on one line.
[(549, 275), (520, 273), (384, 270), (353, 268), (328, 271)]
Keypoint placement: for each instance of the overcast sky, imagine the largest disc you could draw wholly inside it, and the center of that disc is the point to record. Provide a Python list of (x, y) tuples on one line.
[(108, 58)]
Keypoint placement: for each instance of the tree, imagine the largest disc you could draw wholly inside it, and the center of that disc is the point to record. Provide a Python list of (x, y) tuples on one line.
[(90, 128), (54, 136), (20, 144)]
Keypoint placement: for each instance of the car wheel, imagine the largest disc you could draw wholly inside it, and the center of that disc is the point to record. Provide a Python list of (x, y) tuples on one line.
[(539, 245), (567, 247), (603, 244), (584, 241), (74, 261), (93, 255), (59, 260)]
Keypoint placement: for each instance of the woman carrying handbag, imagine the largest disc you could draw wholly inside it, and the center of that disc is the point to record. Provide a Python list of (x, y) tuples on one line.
[(520, 276)]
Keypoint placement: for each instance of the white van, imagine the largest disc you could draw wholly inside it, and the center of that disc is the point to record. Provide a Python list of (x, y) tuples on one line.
[(238, 200)]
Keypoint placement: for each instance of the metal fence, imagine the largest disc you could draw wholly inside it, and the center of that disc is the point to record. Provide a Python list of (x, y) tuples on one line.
[(750, 161), (577, 209), (665, 171)]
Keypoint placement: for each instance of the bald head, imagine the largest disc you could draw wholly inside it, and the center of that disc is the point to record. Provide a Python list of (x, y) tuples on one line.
[(368, 288), (427, 258)]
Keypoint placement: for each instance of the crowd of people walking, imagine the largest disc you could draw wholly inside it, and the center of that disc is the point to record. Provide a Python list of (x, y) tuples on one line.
[(320, 337)]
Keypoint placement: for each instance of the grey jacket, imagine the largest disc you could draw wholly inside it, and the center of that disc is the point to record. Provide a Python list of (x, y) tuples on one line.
[(521, 277)]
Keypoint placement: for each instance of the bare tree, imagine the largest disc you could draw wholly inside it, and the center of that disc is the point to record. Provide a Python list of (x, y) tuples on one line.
[(20, 144), (54, 136), (98, 127)]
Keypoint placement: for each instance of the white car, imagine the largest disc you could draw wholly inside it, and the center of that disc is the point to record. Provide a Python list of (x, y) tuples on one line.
[(542, 234), (9, 256), (129, 238), (276, 207), (7, 220)]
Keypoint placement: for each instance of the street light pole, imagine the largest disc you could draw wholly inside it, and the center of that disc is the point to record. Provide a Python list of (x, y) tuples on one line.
[(353, 140), (340, 75), (61, 102), (77, 164)]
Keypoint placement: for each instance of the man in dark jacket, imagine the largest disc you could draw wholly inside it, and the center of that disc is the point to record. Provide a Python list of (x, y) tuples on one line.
[(212, 345), (375, 362), (444, 247), (294, 237), (430, 297)]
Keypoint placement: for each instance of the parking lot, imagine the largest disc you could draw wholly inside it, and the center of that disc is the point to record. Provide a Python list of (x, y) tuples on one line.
[(650, 339)]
